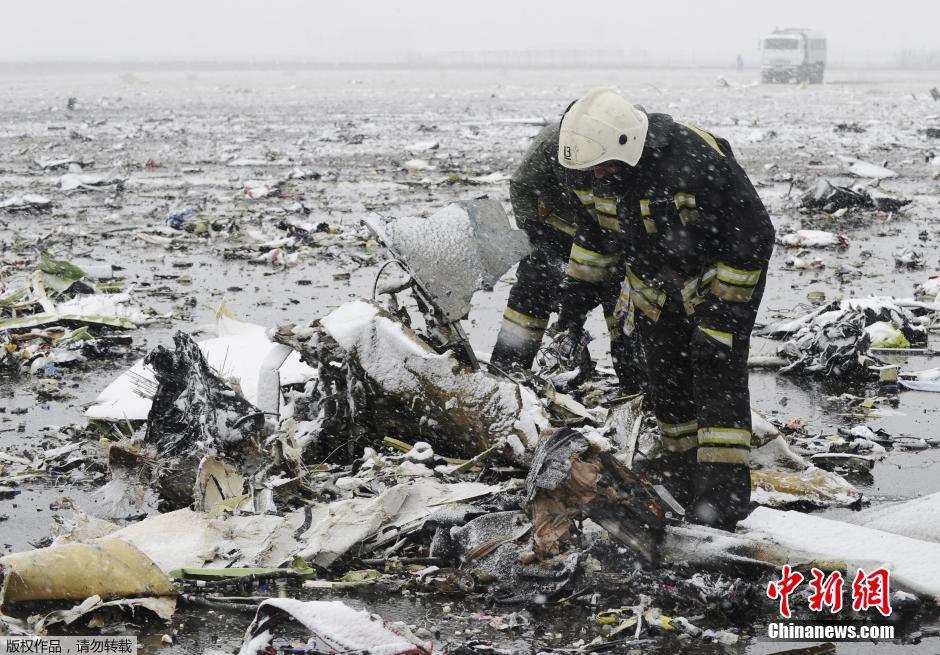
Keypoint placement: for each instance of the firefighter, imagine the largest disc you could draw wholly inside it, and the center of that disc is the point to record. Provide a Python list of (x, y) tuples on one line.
[(551, 211), (695, 241)]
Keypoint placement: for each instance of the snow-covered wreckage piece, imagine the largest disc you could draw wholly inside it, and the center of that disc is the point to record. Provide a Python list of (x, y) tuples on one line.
[(332, 628), (925, 380), (907, 257), (914, 564), (366, 524), (774, 537), (838, 349), (830, 198), (108, 181), (46, 292), (109, 568), (860, 168), (782, 478), (376, 376), (906, 312), (195, 412), (322, 534), (28, 202), (207, 407), (928, 289), (240, 352), (813, 239), (918, 518), (162, 607), (834, 340), (455, 251), (446, 257)]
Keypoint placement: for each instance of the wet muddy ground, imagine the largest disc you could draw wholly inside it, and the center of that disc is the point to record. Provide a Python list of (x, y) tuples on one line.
[(208, 133)]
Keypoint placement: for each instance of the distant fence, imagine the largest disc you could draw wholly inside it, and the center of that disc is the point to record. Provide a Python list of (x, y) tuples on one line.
[(608, 59), (919, 59), (658, 59)]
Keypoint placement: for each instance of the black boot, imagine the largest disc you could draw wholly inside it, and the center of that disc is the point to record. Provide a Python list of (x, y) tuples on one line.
[(626, 352), (722, 495), (678, 476)]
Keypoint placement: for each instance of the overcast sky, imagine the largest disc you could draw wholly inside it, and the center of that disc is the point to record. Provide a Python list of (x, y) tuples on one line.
[(377, 29)]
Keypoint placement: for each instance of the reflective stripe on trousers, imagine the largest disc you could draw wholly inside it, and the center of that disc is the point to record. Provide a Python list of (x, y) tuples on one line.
[(588, 265), (724, 445), (679, 437), (523, 325)]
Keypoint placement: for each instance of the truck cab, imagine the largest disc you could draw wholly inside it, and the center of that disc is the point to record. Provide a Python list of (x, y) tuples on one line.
[(793, 55)]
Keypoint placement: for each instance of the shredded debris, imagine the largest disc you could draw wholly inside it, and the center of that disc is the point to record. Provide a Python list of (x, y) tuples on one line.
[(347, 440)]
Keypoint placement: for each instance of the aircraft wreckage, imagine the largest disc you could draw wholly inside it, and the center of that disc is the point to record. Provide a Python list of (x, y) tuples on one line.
[(372, 447)]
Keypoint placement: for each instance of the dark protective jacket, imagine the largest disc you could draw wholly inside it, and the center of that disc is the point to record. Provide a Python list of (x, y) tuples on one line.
[(686, 221), (696, 240), (550, 213), (538, 190)]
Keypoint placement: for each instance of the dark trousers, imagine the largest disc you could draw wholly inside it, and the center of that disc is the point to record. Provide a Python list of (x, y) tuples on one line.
[(698, 384)]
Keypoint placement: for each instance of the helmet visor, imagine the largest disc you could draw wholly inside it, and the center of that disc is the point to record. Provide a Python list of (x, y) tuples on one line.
[(579, 151), (585, 142)]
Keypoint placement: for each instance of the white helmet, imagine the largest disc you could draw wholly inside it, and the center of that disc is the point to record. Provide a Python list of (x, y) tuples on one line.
[(601, 126)]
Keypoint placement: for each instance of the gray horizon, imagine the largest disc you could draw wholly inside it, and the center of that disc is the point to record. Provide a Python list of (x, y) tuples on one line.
[(369, 31)]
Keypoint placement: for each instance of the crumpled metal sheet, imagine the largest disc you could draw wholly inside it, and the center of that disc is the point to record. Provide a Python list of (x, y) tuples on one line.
[(569, 477), (162, 606), (334, 628), (493, 549), (463, 247), (835, 350), (194, 412), (336, 528), (109, 568), (830, 198), (833, 342), (551, 463), (392, 382), (193, 405)]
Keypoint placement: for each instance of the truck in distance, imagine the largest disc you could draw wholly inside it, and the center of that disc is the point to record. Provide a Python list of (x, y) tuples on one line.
[(793, 55)]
